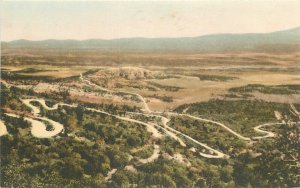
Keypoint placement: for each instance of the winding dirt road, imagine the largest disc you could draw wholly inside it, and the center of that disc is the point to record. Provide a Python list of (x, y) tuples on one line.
[(39, 128), (268, 134), (153, 157), (110, 173)]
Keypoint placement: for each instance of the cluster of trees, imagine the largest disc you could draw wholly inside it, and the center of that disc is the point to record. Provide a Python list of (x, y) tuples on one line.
[(33, 70), (165, 87), (9, 98), (65, 160), (276, 166), (53, 162), (161, 173), (279, 164), (163, 98), (214, 77), (17, 76), (277, 89), (24, 79)]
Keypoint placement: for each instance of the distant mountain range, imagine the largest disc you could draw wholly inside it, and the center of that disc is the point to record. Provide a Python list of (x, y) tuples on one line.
[(286, 40)]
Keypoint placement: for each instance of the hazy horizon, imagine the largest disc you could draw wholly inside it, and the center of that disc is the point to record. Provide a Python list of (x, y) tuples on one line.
[(111, 20), (146, 37)]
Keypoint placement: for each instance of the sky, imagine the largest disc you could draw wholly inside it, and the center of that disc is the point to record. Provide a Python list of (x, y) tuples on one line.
[(39, 20)]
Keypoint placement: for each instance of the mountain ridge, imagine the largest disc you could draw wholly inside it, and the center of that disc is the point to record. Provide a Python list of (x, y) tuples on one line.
[(274, 41)]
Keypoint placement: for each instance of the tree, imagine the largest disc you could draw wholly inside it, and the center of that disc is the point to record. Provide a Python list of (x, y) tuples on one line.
[(79, 112), (159, 179), (133, 140), (241, 174), (72, 121), (280, 164)]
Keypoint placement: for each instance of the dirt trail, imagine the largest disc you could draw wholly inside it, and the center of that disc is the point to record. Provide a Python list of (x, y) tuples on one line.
[(154, 156), (110, 173), (268, 134), (3, 130), (35, 110), (294, 110)]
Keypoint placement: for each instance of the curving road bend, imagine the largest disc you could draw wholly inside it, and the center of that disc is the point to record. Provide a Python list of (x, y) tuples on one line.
[(294, 110), (39, 128), (3, 129), (110, 174), (268, 134), (153, 157)]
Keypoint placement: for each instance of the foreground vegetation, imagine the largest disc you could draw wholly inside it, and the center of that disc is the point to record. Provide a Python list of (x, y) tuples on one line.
[(93, 144)]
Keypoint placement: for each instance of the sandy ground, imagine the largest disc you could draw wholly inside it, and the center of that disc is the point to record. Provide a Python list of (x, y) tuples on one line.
[(3, 130)]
